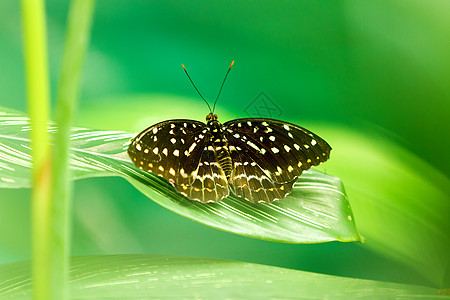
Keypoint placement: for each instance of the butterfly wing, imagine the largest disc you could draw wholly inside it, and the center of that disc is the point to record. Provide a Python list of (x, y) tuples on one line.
[(209, 182), (275, 154), (171, 149), (177, 150), (251, 182)]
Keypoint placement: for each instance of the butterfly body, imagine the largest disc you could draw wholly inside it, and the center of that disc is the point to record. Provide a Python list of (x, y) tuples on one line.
[(257, 159), (219, 143)]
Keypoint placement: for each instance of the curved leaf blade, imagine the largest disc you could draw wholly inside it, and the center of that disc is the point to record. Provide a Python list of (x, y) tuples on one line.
[(402, 202), (158, 276), (316, 211)]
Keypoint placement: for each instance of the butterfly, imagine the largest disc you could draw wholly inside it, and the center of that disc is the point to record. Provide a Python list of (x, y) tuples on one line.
[(258, 159)]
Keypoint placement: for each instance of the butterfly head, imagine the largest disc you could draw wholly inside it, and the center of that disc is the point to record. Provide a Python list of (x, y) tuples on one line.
[(211, 117), (212, 123)]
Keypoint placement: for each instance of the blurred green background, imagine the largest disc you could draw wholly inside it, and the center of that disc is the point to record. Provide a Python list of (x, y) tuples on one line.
[(371, 77)]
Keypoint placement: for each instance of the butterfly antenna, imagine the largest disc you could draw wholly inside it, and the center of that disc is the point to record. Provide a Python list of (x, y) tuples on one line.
[(196, 88), (223, 82)]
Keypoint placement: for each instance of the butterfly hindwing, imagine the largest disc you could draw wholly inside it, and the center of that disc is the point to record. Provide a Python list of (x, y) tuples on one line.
[(252, 183), (209, 181)]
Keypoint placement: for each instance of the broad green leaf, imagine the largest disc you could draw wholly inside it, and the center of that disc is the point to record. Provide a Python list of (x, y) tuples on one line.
[(402, 203), (157, 276), (316, 211)]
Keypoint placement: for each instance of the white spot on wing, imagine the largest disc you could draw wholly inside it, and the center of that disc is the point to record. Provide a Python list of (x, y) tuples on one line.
[(253, 145), (155, 150), (176, 152), (192, 147), (313, 142), (287, 148), (275, 150)]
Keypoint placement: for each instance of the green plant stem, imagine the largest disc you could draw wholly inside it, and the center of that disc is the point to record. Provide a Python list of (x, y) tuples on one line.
[(51, 188), (35, 51), (77, 37)]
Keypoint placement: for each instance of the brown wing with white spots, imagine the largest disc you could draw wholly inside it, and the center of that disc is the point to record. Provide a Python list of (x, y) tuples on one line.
[(252, 183), (171, 149), (209, 181), (275, 154)]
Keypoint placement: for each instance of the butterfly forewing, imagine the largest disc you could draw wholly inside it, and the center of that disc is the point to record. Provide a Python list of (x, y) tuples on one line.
[(282, 150), (171, 149)]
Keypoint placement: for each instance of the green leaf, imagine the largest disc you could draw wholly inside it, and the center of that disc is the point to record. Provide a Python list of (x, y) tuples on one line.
[(316, 211), (157, 276), (401, 201)]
